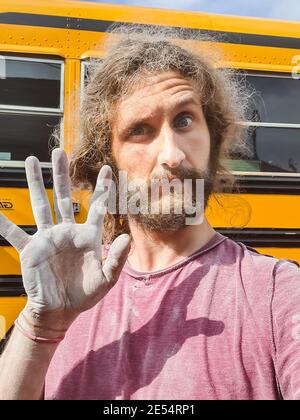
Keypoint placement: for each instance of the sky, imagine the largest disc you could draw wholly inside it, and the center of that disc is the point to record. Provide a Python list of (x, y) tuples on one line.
[(274, 9)]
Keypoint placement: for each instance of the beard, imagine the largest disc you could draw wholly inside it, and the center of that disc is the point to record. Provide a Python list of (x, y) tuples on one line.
[(166, 211)]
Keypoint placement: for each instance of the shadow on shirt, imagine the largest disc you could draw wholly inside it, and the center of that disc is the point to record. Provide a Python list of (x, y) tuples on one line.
[(119, 369)]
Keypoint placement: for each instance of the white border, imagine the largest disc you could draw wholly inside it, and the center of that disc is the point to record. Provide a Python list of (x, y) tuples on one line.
[(269, 174), (21, 164), (272, 125)]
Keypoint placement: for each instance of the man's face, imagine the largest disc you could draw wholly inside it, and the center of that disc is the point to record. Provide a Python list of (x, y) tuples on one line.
[(160, 131)]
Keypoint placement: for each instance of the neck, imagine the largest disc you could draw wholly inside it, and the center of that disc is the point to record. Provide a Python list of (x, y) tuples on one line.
[(152, 251)]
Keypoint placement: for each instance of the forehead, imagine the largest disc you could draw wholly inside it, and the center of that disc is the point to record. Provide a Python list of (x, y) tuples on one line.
[(156, 92)]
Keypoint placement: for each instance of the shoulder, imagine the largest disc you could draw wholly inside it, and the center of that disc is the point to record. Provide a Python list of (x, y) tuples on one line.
[(277, 266), (254, 268), (256, 258), (263, 283), (231, 252)]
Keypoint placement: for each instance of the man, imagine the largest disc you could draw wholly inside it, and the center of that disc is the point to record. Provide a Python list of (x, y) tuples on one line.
[(176, 311)]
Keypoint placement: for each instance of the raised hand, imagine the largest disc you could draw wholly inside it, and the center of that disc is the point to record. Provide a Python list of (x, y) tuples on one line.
[(61, 263)]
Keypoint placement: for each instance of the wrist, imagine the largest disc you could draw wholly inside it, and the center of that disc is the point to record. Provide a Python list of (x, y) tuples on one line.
[(36, 338), (48, 325)]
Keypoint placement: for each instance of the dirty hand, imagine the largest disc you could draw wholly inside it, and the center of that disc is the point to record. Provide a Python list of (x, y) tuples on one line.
[(61, 263)]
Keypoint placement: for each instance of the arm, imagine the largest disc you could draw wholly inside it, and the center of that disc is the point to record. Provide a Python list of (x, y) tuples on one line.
[(286, 328), (62, 274), (23, 367)]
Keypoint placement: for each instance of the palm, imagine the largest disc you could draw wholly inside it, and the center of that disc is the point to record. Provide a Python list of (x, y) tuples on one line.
[(61, 264), (71, 265)]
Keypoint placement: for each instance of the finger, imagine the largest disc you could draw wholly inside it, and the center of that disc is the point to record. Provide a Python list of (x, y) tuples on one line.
[(13, 234), (56, 209), (116, 258), (62, 185), (39, 200), (99, 200)]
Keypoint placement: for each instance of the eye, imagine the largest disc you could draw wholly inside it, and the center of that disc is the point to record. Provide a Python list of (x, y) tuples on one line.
[(183, 121), (139, 130)]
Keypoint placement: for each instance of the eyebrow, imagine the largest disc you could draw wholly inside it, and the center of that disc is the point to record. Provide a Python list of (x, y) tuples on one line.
[(138, 121), (188, 100)]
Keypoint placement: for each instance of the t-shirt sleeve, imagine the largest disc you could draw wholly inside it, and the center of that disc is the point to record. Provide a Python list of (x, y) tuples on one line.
[(285, 318)]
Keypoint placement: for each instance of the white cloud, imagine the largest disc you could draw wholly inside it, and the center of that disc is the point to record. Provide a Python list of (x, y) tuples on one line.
[(286, 9)]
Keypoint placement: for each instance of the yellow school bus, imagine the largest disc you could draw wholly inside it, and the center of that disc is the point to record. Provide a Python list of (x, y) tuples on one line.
[(44, 57)]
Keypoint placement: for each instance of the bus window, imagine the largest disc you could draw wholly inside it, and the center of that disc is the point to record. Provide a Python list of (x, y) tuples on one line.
[(273, 134), (31, 84), (269, 149), (31, 105), (276, 98), (23, 135)]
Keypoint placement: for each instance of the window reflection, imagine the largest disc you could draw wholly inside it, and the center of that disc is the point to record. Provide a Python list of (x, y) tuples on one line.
[(24, 135), (276, 99), (31, 84), (269, 149)]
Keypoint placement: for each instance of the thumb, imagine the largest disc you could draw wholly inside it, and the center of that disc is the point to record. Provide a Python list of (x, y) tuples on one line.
[(116, 258)]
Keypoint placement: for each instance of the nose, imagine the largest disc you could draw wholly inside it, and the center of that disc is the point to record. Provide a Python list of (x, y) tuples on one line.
[(170, 154)]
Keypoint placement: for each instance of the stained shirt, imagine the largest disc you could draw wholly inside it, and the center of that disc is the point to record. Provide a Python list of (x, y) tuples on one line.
[(223, 323)]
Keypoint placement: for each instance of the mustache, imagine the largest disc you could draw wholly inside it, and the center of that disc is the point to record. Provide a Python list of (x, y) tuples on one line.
[(180, 173)]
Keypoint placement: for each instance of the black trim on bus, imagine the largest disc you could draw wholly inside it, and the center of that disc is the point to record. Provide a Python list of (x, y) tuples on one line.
[(262, 237), (11, 285), (248, 184), (257, 237), (16, 177), (286, 238), (29, 229), (270, 184), (97, 25)]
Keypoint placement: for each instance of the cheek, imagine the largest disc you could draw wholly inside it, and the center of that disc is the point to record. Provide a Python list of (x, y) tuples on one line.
[(132, 158), (197, 148)]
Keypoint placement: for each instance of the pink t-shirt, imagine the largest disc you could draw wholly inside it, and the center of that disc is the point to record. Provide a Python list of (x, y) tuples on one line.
[(224, 323)]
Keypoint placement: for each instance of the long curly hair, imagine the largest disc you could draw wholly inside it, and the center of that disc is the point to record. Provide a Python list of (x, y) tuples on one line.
[(132, 53)]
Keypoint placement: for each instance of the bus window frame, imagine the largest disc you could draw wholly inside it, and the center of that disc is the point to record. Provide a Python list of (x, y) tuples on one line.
[(256, 73), (83, 64), (29, 110)]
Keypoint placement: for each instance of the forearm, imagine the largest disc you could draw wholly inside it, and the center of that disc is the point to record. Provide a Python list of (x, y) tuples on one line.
[(23, 367)]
